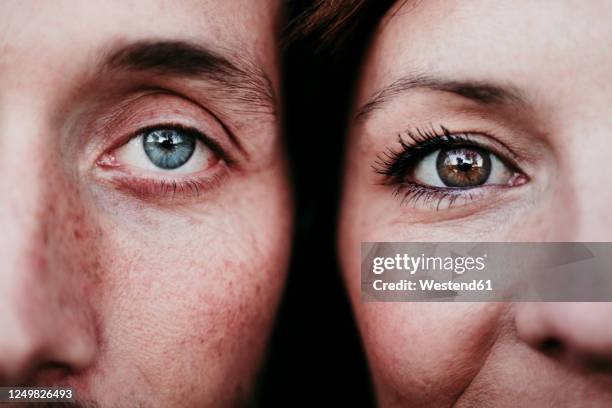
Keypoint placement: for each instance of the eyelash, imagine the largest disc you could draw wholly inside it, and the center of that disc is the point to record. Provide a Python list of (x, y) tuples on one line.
[(188, 186), (394, 165)]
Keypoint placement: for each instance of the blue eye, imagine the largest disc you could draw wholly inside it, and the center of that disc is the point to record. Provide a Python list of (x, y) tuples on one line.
[(168, 148), (163, 149)]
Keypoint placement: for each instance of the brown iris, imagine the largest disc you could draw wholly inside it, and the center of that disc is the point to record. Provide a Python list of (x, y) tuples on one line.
[(463, 167)]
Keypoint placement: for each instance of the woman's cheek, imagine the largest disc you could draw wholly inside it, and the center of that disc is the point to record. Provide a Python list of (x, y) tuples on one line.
[(427, 352), (419, 353)]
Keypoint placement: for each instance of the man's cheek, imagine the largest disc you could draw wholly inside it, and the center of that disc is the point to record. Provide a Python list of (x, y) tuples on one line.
[(190, 312)]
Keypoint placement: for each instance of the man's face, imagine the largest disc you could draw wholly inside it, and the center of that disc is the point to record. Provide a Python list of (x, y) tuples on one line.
[(528, 85), (145, 211)]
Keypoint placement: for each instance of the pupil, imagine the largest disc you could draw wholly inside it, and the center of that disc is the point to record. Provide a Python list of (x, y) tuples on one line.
[(463, 165), (167, 148), (167, 144)]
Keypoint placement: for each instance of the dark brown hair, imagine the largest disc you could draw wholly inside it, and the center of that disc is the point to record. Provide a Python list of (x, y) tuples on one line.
[(330, 20)]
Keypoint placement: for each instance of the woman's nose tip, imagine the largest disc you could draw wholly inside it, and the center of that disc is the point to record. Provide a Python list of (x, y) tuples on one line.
[(572, 332)]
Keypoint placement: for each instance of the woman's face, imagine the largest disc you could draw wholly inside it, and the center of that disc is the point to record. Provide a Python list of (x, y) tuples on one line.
[(525, 89), (145, 211)]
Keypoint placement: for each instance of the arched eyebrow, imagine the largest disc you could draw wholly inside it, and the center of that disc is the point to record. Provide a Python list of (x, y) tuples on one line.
[(481, 92), (243, 80)]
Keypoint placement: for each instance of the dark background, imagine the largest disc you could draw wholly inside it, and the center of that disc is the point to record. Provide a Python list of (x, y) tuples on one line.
[(315, 354)]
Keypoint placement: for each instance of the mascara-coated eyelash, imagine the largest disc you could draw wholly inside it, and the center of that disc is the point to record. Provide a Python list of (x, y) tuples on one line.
[(439, 165)]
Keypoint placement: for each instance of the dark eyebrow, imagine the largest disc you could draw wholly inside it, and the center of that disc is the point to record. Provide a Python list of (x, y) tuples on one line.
[(242, 79), (481, 92)]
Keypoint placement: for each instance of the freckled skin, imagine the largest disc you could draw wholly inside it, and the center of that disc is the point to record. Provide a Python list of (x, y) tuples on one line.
[(478, 354), (131, 301)]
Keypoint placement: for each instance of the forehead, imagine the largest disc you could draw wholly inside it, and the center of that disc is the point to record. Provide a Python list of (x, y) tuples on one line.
[(36, 29), (485, 40)]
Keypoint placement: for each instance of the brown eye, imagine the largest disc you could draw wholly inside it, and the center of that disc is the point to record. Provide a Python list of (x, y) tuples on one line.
[(463, 167)]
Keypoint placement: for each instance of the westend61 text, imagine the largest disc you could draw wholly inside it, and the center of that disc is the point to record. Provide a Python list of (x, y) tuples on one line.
[(432, 285)]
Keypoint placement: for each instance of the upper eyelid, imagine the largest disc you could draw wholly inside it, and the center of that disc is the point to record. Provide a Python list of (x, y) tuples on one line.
[(248, 81), (114, 121), (472, 136), (230, 133), (139, 114)]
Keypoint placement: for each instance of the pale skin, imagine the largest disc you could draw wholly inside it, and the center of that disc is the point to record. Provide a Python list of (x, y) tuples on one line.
[(137, 285), (553, 60)]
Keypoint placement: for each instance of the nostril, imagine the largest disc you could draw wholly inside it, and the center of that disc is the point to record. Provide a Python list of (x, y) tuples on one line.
[(551, 346), (555, 348), (51, 372), (598, 365), (575, 335), (40, 374)]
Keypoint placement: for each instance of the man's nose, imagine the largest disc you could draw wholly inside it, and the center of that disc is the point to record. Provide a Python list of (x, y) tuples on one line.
[(574, 333), (41, 345), (47, 329)]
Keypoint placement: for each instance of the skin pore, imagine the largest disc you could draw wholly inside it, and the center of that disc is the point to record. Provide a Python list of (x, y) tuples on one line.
[(134, 284), (530, 84)]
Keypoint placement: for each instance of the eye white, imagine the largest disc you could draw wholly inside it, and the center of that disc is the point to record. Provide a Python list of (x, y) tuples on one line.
[(426, 171)]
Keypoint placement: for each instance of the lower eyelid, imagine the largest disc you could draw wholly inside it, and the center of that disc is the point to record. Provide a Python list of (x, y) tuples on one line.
[(419, 196), (169, 188), (163, 188), (436, 198)]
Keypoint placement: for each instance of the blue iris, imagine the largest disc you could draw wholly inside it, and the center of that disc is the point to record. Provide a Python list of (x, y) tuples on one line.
[(168, 148)]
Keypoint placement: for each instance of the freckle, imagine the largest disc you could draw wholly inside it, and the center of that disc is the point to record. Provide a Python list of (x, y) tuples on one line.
[(219, 347), (77, 217), (40, 262), (45, 236)]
